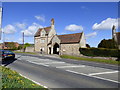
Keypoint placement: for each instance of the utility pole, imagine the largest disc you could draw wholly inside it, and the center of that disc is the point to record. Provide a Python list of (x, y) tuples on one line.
[(1, 12), (23, 41)]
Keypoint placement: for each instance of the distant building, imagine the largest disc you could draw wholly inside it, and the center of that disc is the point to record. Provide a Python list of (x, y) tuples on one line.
[(8, 45), (0, 45), (116, 36), (48, 42)]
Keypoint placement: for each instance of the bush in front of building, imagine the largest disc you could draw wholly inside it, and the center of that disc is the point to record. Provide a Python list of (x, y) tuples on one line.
[(110, 43), (103, 52)]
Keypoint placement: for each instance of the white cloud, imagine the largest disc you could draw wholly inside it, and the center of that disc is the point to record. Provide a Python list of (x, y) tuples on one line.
[(31, 30), (106, 24), (40, 18), (91, 35), (21, 25), (9, 29), (73, 27), (6, 38)]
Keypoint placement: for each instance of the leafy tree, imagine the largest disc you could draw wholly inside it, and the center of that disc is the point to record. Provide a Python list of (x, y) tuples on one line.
[(110, 43), (87, 45), (20, 47), (26, 45)]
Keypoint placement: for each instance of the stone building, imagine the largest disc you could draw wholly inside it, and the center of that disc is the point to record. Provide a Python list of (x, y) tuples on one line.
[(116, 36), (47, 41)]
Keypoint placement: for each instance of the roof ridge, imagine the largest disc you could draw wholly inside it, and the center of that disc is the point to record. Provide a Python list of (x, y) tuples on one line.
[(70, 34)]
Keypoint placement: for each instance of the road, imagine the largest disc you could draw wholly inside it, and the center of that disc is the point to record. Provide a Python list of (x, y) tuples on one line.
[(65, 73)]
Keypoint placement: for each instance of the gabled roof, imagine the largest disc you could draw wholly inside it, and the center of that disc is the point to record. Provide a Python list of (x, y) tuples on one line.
[(47, 29), (70, 38), (118, 37)]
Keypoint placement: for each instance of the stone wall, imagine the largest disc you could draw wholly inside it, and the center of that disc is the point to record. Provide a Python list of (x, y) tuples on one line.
[(37, 44), (70, 49), (29, 49)]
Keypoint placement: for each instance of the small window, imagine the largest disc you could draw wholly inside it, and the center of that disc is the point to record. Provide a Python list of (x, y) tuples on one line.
[(42, 33)]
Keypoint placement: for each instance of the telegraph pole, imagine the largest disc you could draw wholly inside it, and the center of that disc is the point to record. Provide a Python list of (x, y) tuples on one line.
[(1, 12), (23, 41)]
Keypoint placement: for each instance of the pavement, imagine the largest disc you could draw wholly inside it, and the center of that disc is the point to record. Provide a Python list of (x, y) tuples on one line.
[(54, 72)]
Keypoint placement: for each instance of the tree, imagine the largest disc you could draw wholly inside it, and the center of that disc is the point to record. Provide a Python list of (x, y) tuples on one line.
[(20, 47), (87, 45), (110, 43), (26, 45)]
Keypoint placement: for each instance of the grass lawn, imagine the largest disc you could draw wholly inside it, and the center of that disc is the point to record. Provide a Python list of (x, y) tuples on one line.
[(91, 59), (12, 79), (25, 52)]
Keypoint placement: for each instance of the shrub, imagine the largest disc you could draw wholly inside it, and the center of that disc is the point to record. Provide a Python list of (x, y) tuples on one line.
[(110, 43), (100, 52)]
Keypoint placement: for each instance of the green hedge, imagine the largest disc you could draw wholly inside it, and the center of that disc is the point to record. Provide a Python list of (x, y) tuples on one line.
[(100, 52)]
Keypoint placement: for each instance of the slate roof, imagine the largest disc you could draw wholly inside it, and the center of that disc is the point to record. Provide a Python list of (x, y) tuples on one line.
[(118, 37), (47, 29), (70, 38)]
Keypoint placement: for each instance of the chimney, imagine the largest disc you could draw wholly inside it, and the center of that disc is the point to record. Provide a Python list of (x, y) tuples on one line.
[(52, 23)]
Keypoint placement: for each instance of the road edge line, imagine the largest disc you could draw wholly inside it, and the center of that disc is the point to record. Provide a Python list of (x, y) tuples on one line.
[(34, 81)]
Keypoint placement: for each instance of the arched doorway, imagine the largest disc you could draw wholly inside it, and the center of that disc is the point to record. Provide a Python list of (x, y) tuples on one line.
[(56, 49)]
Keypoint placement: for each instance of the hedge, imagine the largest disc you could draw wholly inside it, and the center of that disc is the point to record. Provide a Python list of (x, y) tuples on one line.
[(100, 52)]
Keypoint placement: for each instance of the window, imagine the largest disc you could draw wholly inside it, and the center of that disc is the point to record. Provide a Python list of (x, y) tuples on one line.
[(43, 33), (42, 41)]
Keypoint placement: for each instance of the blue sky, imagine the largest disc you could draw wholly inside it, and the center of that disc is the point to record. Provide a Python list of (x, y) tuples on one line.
[(95, 19)]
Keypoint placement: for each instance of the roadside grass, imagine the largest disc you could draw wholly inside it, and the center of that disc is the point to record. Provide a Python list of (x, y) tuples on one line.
[(91, 59), (11, 79), (25, 52)]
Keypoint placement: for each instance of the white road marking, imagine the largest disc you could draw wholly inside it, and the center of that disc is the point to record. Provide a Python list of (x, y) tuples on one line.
[(19, 59), (71, 66), (52, 62), (34, 81), (39, 63), (93, 76)]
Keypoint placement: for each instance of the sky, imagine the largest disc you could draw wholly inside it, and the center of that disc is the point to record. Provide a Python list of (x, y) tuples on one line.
[(95, 19)]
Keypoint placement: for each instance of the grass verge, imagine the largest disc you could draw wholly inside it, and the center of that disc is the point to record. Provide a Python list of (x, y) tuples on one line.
[(11, 79), (25, 52), (91, 59)]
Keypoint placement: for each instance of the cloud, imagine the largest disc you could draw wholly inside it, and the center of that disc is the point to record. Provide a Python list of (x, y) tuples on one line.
[(6, 38), (73, 27), (40, 18), (21, 25), (90, 35), (9, 29), (106, 24), (31, 30)]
